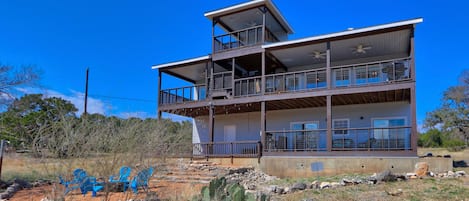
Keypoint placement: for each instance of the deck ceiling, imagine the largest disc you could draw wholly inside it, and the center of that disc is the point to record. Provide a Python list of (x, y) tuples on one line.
[(317, 101), (387, 45)]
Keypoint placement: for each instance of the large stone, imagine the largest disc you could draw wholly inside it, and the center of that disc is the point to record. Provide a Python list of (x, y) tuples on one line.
[(460, 173), (324, 185), (314, 184), (386, 176), (394, 192), (298, 186), (421, 169)]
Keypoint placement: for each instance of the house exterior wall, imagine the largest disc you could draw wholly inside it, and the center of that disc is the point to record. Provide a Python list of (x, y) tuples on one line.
[(248, 125)]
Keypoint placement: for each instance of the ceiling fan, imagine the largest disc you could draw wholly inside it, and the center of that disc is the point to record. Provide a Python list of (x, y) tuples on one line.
[(318, 55), (360, 49)]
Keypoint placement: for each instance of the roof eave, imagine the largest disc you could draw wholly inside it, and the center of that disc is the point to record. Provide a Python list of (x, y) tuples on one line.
[(344, 33), (182, 62)]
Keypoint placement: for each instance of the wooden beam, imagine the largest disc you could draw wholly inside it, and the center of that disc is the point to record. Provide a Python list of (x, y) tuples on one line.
[(159, 95), (263, 123), (413, 116), (263, 71), (328, 65), (211, 122), (329, 123)]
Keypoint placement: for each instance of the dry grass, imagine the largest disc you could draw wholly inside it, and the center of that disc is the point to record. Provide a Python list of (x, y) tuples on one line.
[(419, 189), (460, 155)]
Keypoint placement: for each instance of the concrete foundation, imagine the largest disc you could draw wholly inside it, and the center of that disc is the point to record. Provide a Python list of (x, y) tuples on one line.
[(300, 167)]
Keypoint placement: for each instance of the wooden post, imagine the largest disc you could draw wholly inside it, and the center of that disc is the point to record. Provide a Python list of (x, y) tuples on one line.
[(329, 122), (263, 73), (2, 143), (413, 101), (86, 93), (211, 122), (159, 95), (263, 125), (328, 65)]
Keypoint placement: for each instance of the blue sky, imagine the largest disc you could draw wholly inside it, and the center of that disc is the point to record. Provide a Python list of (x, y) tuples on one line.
[(120, 40)]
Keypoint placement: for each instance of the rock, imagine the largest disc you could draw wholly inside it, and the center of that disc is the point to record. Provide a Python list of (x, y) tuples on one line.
[(307, 199), (429, 154), (394, 192), (446, 156), (450, 174), (286, 190), (251, 187), (346, 181), (279, 190), (410, 174), (421, 169), (335, 184), (386, 176), (431, 174), (324, 185), (298, 186), (460, 173), (314, 184), (272, 188), (413, 177)]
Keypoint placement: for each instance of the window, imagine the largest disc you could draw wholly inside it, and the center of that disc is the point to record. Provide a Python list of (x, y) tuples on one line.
[(340, 126), (304, 137)]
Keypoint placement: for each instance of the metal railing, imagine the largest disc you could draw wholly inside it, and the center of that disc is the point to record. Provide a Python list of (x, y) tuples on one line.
[(247, 86), (372, 139), (371, 73), (249, 149), (352, 139), (183, 94), (222, 80), (296, 140), (237, 39), (296, 81)]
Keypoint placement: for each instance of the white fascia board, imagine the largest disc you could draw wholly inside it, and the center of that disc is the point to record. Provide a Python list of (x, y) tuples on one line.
[(344, 33), (180, 62), (232, 8)]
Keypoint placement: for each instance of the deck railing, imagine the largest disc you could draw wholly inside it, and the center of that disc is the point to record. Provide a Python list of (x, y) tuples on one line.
[(237, 39), (248, 86), (183, 94), (387, 71), (371, 73), (295, 140), (296, 81), (249, 149), (352, 139)]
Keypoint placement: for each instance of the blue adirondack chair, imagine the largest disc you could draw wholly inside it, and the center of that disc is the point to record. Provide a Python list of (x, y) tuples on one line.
[(79, 175), (141, 179), (123, 177), (90, 184)]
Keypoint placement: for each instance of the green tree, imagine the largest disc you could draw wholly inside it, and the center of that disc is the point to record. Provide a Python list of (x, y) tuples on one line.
[(27, 115), (453, 115)]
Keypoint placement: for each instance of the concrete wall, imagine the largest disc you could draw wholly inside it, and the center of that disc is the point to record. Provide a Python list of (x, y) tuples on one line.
[(300, 167), (248, 124)]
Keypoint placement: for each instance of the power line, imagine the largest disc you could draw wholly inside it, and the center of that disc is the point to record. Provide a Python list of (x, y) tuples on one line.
[(123, 98)]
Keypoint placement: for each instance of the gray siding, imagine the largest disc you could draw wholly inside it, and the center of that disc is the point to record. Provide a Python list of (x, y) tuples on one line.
[(248, 124)]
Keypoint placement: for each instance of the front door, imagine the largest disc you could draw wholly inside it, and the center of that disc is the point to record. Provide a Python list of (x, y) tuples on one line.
[(229, 133)]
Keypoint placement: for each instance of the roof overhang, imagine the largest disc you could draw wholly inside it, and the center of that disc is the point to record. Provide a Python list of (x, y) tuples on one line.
[(248, 5), (182, 62), (344, 33), (191, 70)]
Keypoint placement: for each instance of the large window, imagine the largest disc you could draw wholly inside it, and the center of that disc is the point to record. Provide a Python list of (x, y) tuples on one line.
[(341, 77), (304, 136), (340, 126)]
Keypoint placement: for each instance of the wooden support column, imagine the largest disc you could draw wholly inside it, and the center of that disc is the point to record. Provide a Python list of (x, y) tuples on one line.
[(211, 84), (211, 122), (263, 125), (159, 94), (329, 122), (233, 68), (263, 73), (263, 9), (413, 113), (328, 65), (413, 101)]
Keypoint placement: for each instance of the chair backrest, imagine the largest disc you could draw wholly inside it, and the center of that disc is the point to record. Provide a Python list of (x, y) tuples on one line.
[(124, 173), (143, 176)]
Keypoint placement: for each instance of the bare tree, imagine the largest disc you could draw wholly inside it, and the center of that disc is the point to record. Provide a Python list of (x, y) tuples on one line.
[(11, 77)]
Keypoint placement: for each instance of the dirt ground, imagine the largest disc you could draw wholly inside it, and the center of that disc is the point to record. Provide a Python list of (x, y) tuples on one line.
[(164, 190)]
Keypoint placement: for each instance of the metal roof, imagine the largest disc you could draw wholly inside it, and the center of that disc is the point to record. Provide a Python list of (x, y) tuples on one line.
[(182, 62)]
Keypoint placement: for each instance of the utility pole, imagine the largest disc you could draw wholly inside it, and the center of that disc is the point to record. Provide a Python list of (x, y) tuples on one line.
[(2, 143), (86, 93)]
